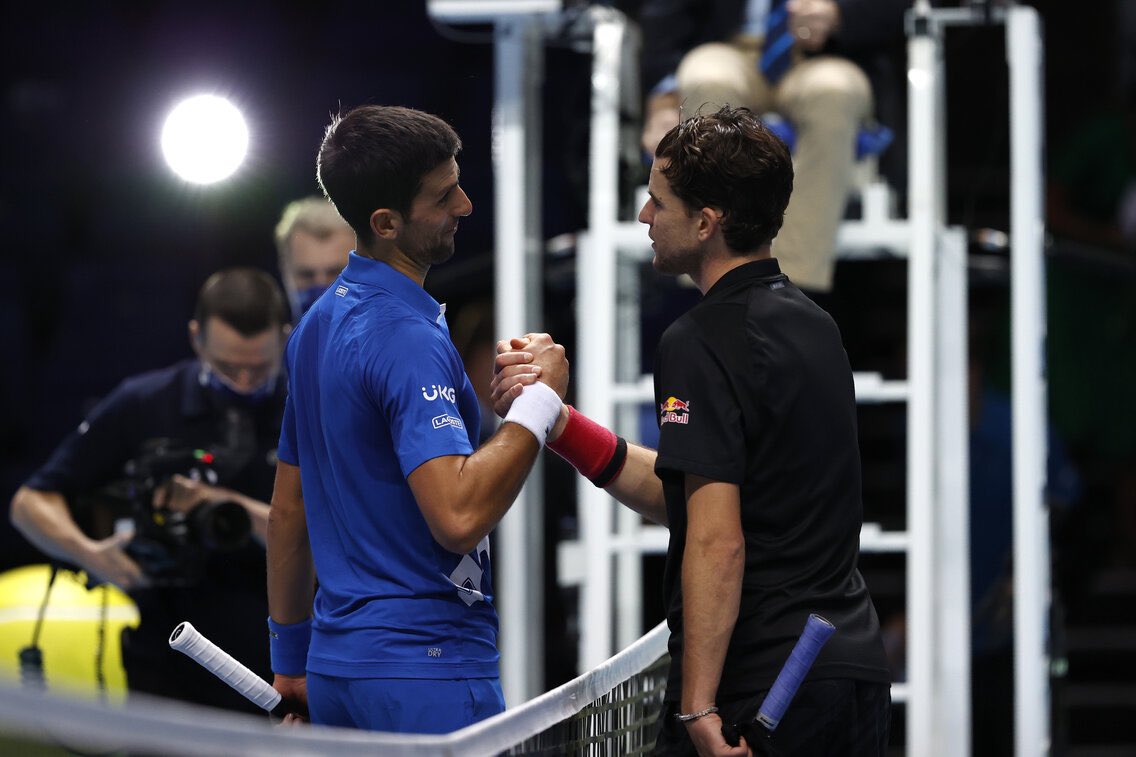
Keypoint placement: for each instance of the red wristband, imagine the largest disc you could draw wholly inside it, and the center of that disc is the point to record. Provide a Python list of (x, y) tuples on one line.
[(590, 448)]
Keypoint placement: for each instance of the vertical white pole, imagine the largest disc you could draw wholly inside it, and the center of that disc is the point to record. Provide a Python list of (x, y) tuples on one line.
[(952, 519), (519, 561), (925, 216), (629, 559), (595, 318), (1027, 302)]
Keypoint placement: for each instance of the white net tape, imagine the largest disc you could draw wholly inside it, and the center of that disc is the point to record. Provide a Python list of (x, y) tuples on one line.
[(167, 727)]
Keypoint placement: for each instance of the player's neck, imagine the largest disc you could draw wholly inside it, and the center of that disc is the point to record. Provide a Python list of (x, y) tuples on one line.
[(396, 259), (720, 260)]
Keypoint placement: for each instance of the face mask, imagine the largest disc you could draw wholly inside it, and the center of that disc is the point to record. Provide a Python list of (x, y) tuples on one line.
[(217, 384), (303, 300)]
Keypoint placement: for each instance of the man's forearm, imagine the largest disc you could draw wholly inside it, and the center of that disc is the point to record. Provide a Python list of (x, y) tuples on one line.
[(595, 452), (463, 497), (711, 591), (45, 520), (291, 572), (712, 567), (638, 487)]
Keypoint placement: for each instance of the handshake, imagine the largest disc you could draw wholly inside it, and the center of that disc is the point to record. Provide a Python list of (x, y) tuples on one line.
[(535, 366), (523, 361)]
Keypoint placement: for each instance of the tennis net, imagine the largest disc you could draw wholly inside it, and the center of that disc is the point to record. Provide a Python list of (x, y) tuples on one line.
[(610, 710)]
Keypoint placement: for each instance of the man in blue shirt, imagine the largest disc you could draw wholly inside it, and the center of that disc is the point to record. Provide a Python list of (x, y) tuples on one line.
[(379, 490)]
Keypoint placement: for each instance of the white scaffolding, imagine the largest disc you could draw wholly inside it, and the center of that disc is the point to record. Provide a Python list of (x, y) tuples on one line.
[(606, 561)]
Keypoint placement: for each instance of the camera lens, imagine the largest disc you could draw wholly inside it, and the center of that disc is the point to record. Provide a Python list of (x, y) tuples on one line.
[(221, 526)]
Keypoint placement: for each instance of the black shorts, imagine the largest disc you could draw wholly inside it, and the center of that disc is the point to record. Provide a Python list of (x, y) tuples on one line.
[(834, 716)]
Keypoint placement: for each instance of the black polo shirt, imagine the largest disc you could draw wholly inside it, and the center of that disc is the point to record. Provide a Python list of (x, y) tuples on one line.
[(754, 388), (229, 605)]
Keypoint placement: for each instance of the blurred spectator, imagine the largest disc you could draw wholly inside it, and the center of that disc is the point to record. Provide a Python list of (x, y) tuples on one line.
[(838, 57), (1092, 183), (991, 555), (313, 242)]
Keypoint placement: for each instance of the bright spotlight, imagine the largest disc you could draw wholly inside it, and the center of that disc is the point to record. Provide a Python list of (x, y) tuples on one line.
[(204, 139)]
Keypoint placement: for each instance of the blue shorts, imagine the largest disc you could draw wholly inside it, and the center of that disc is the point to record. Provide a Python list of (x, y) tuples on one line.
[(402, 705)]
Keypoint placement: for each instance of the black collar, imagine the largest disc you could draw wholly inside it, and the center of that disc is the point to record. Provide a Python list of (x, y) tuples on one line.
[(765, 270)]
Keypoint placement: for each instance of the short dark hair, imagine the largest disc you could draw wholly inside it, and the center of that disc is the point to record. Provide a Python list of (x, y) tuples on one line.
[(375, 156), (247, 299), (729, 161)]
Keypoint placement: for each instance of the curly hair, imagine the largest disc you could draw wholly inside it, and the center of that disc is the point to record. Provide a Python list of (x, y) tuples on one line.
[(729, 161)]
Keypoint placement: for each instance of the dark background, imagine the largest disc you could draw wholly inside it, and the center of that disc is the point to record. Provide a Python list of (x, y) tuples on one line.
[(102, 249)]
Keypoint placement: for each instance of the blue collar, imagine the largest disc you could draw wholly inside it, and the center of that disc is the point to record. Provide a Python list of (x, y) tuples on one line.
[(379, 274)]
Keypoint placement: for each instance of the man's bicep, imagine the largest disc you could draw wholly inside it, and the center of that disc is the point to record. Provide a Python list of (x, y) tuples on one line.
[(712, 507), (287, 449), (288, 490), (433, 484)]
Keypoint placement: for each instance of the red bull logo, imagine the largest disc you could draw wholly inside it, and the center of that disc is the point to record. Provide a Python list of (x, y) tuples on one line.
[(674, 410)]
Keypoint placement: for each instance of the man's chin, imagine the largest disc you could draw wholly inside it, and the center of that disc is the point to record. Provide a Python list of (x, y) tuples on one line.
[(666, 267), (442, 254), (436, 255)]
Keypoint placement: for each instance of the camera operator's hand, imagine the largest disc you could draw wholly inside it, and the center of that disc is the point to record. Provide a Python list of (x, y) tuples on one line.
[(181, 494), (107, 561), (44, 518)]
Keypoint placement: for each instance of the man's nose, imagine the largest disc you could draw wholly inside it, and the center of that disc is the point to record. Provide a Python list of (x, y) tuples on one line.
[(645, 214), (466, 206)]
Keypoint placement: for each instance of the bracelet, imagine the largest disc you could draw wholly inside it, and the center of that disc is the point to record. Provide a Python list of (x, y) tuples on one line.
[(288, 646), (590, 448), (696, 715), (536, 409)]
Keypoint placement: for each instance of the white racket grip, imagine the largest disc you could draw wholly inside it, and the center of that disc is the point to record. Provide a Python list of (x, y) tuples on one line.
[(189, 641)]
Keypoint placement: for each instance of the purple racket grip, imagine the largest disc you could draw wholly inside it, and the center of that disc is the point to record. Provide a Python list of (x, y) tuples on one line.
[(816, 633)]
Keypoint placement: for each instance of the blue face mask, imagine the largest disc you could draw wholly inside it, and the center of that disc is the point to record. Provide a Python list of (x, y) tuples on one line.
[(217, 384), (303, 300)]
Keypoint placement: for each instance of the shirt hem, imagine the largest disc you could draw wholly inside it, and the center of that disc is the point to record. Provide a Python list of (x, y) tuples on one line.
[(433, 671)]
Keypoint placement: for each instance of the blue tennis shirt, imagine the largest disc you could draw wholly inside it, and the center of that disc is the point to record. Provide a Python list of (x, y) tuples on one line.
[(376, 388)]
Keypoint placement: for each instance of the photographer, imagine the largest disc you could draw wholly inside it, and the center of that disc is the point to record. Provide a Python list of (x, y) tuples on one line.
[(184, 449)]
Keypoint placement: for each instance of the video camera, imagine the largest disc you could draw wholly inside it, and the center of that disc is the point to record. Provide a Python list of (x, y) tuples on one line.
[(171, 546)]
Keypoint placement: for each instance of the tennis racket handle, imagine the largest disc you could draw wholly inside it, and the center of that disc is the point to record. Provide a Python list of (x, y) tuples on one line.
[(816, 633), (189, 641)]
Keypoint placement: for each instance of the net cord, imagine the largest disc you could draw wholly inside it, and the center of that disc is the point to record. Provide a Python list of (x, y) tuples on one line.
[(166, 726)]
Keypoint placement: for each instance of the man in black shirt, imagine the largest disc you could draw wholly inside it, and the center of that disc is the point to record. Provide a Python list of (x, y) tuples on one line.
[(757, 473), (164, 443)]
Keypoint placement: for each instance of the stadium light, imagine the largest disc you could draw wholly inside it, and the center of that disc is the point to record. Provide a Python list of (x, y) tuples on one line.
[(204, 139)]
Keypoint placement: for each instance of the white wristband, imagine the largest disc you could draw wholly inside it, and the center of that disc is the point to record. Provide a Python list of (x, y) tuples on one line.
[(536, 409)]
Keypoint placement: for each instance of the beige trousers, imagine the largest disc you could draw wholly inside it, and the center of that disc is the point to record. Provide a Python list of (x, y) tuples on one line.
[(826, 99)]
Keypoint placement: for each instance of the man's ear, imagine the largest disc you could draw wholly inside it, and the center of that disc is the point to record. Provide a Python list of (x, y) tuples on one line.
[(195, 335), (386, 224), (709, 221)]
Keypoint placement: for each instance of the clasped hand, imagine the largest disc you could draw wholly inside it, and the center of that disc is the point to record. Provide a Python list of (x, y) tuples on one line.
[(525, 360)]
